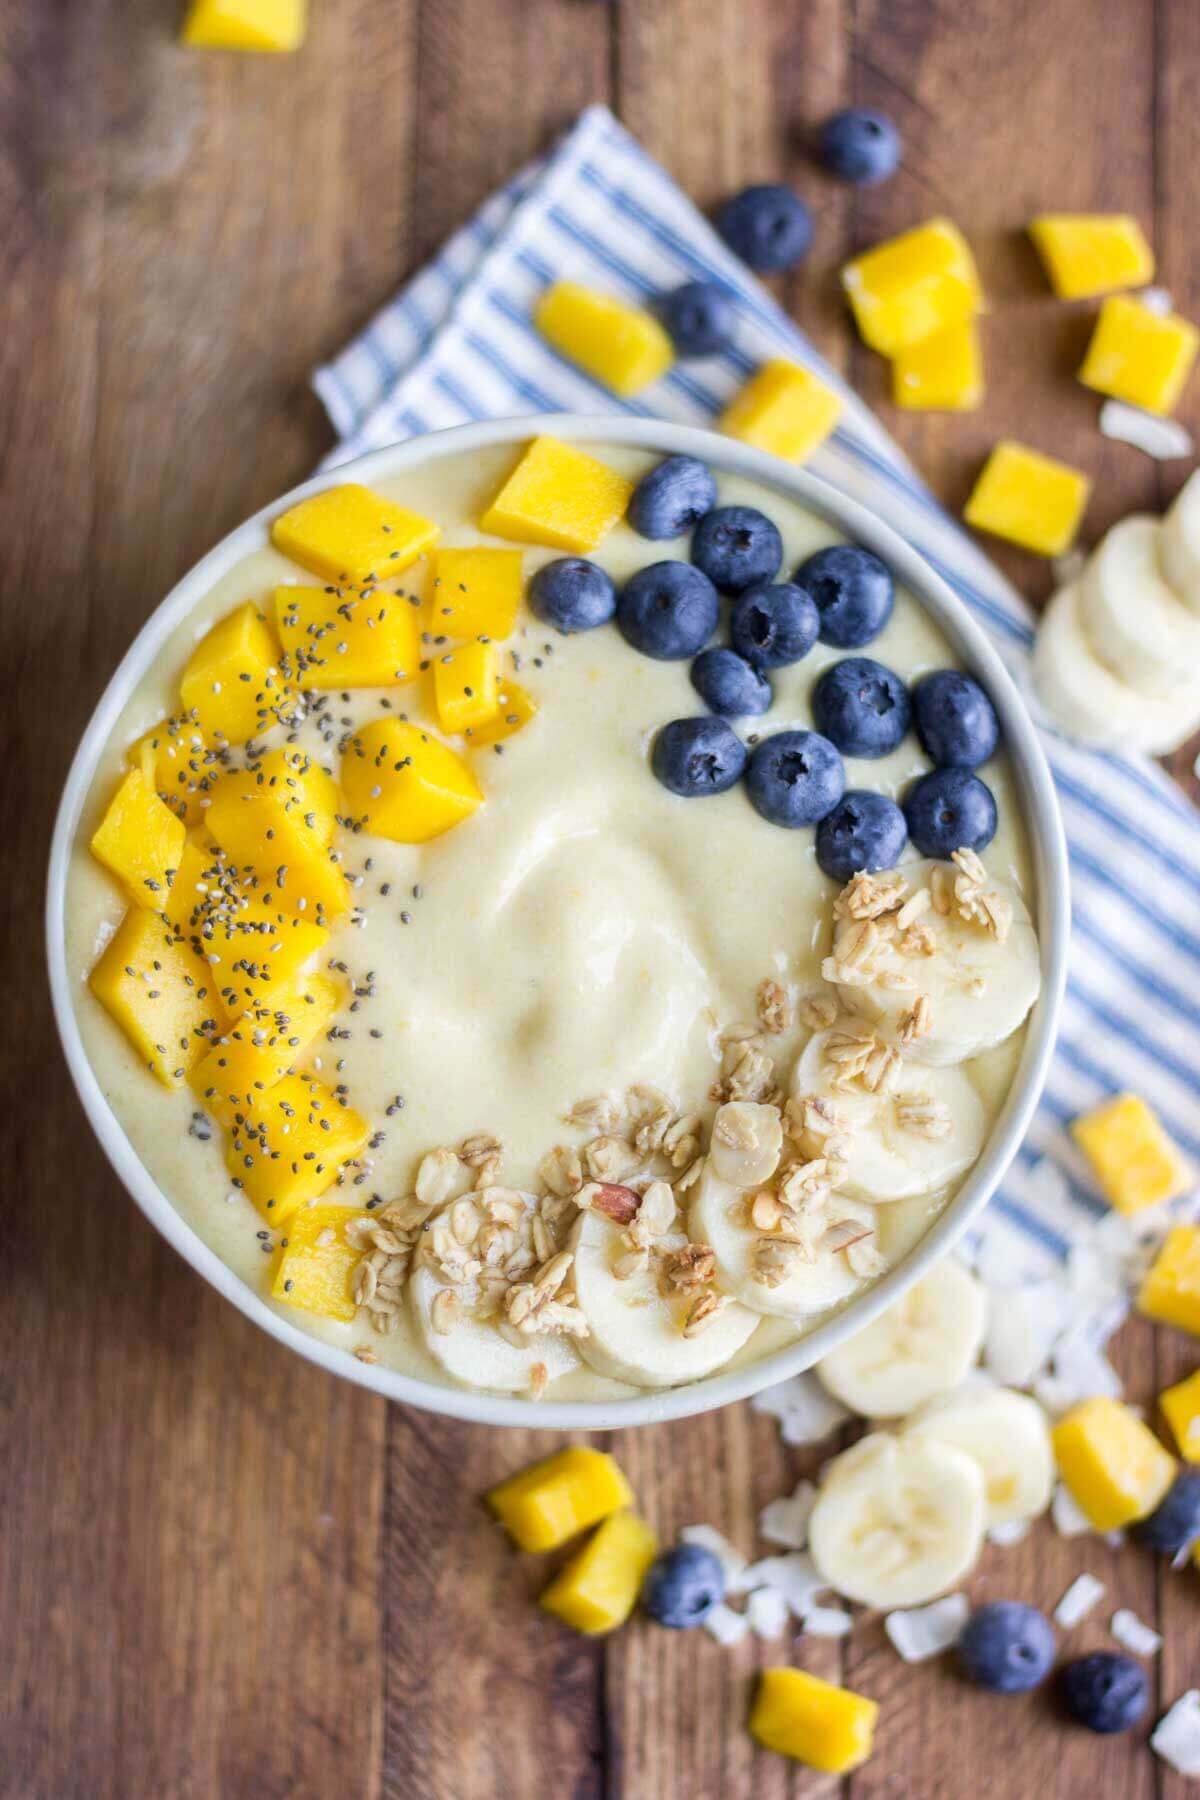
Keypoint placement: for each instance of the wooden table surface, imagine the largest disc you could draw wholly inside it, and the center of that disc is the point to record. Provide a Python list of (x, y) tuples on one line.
[(221, 1571)]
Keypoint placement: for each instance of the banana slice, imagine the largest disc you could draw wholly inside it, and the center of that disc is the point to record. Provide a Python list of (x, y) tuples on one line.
[(898, 1520), (1181, 543), (978, 987), (636, 1324), (1007, 1435), (719, 1218), (916, 1133), (920, 1347), (1133, 619), (1092, 705), (477, 1352)]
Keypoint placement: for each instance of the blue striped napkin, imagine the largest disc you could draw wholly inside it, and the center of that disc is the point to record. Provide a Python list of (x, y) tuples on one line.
[(457, 344)]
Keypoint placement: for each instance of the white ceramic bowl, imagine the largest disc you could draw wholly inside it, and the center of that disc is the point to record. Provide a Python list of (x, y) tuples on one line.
[(1041, 813)]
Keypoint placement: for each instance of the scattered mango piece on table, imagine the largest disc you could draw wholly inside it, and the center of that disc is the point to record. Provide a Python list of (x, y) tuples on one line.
[(912, 286), (294, 1147), (942, 373), (247, 1061), (1181, 1409), (553, 1500), (465, 687), (1170, 1290), (315, 1263), (159, 993), (1134, 1161), (597, 1590), (246, 24), (175, 759), (560, 496), (623, 347), (1086, 254), (476, 592), (340, 639), (233, 687), (351, 536), (1113, 1464), (785, 409), (814, 1721), (140, 840), (514, 709), (406, 784), (1028, 498), (263, 829), (1140, 356)]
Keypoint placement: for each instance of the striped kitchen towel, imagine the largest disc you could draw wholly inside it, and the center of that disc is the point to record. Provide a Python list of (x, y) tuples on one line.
[(457, 344)]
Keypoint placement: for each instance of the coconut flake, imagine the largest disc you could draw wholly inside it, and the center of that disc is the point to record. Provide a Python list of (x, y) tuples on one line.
[(732, 1562), (785, 1521), (1137, 1636), (806, 1412), (827, 1622), (1163, 439), (1053, 1396), (1022, 1327), (1158, 301), (1078, 1600), (767, 1611), (924, 1631), (1082, 1369), (1176, 1737), (727, 1626), (1068, 1517), (794, 1576), (1012, 1531)]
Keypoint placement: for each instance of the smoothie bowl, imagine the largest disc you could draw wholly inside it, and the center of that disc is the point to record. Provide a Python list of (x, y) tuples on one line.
[(560, 922)]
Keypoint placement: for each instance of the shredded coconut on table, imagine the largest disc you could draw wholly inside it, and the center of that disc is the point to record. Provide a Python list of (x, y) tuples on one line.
[(727, 1626), (920, 1632), (1176, 1737), (826, 1622), (767, 1612), (785, 1521), (1078, 1601), (1163, 439), (806, 1413), (1067, 1516), (1137, 1636)]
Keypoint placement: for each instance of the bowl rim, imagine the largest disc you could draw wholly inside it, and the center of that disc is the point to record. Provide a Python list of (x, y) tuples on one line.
[(1038, 799)]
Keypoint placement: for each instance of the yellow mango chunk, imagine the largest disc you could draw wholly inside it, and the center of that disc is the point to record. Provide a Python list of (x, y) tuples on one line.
[(465, 687), (315, 1263), (247, 1061), (308, 790), (557, 1498), (175, 759), (1181, 1409), (158, 992), (814, 1721), (336, 638), (912, 286), (560, 496), (598, 1589), (350, 536), (476, 592), (246, 24), (140, 840), (1114, 1465), (1030, 499), (263, 829), (294, 1146), (1170, 1290), (622, 347), (405, 784), (514, 709), (784, 409), (1140, 356), (943, 373), (1131, 1156), (1085, 254), (232, 687), (253, 950)]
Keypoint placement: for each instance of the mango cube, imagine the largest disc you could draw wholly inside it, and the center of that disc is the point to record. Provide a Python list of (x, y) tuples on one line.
[(514, 709), (814, 1721), (252, 950), (465, 687), (247, 1061), (159, 993), (598, 1589), (622, 347), (784, 409), (1170, 1290), (263, 830), (912, 286), (1085, 254), (556, 1499), (560, 496), (292, 774), (405, 784), (1030, 499), (1114, 1465), (1132, 1158), (232, 687), (1140, 356), (1181, 1409), (339, 639), (943, 373), (246, 24), (315, 1264), (294, 1146), (177, 762), (348, 535), (476, 592), (140, 840)]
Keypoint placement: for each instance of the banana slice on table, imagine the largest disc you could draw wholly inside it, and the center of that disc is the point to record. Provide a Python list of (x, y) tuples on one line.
[(915, 1133), (898, 1520), (1181, 543), (482, 1353), (977, 987), (920, 1347), (1092, 705), (1007, 1435), (720, 1218), (1132, 617)]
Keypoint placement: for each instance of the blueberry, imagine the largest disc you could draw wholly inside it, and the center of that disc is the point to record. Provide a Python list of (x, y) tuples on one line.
[(861, 707), (700, 318), (1105, 1691), (668, 610), (860, 146), (955, 720), (669, 498), (682, 1586), (795, 778), (573, 594), (768, 226), (854, 593), (1175, 1522), (729, 685), (698, 756), (950, 810), (737, 547), (1006, 1647), (864, 831), (773, 626)]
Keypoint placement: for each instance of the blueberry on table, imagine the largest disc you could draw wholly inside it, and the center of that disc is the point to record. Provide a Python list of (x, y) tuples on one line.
[(1174, 1524), (729, 685), (693, 757), (862, 707), (955, 720), (682, 1586), (1106, 1692), (1006, 1647), (795, 778), (573, 594), (864, 832), (700, 318), (774, 626), (768, 226), (668, 610), (860, 145), (854, 593), (669, 498), (950, 810), (737, 547)]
